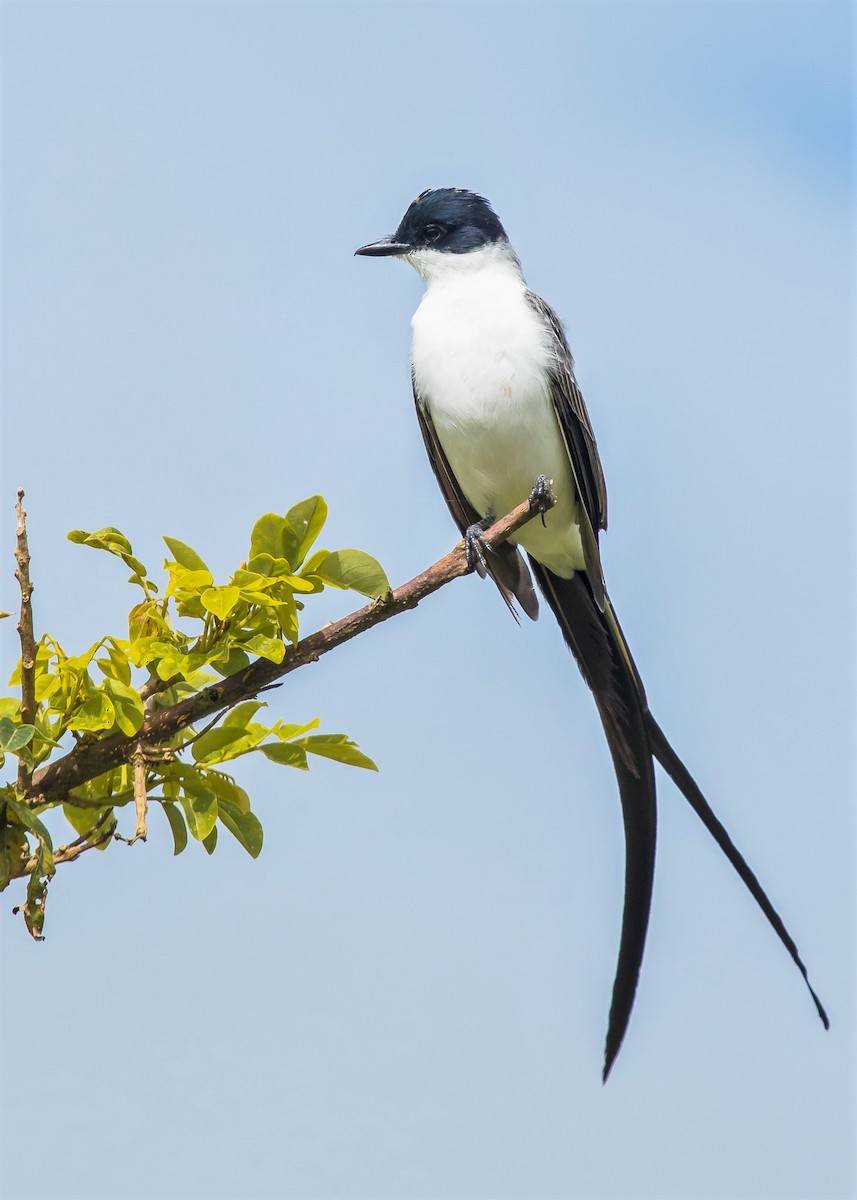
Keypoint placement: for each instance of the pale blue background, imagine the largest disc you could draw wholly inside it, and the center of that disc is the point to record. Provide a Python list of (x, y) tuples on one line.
[(406, 996)]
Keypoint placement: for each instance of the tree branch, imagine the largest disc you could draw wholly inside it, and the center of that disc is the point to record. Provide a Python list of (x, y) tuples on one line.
[(101, 832), (25, 633), (87, 761)]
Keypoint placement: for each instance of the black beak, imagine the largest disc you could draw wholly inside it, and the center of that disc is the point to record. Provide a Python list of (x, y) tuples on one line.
[(384, 248)]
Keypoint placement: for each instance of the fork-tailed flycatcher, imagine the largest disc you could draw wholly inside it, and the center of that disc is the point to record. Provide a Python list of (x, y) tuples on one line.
[(503, 418)]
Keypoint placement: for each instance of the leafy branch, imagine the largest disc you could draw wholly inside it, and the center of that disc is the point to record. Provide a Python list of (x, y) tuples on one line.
[(208, 650)]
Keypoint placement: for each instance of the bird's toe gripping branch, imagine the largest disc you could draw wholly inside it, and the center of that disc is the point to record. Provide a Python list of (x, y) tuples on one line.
[(475, 545), (542, 497)]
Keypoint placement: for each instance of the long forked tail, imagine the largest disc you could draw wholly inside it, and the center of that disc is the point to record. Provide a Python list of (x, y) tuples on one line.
[(687, 785), (602, 655), (635, 738)]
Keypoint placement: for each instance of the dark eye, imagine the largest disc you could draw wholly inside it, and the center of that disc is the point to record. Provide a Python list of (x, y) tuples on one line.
[(433, 233)]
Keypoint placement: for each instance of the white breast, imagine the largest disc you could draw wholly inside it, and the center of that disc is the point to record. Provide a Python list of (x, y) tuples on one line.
[(480, 357)]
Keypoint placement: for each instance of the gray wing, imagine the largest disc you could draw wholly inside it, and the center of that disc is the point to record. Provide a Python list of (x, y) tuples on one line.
[(506, 566), (580, 442)]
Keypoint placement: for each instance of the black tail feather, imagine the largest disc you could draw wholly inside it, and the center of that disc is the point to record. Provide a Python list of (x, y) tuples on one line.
[(596, 641), (686, 784)]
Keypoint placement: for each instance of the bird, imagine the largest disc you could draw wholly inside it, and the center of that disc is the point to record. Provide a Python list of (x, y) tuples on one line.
[(503, 420)]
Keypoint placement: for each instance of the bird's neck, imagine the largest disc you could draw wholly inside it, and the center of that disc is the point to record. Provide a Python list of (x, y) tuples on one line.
[(496, 263)]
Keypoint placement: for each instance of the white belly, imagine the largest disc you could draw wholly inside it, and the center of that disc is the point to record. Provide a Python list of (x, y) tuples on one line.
[(479, 356)]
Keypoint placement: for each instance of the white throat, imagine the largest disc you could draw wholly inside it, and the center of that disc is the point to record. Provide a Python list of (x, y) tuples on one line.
[(441, 266)]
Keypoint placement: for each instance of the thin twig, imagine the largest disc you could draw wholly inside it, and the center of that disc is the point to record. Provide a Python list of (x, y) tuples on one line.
[(74, 849), (70, 853), (84, 837), (88, 761), (205, 729), (141, 802), (25, 633)]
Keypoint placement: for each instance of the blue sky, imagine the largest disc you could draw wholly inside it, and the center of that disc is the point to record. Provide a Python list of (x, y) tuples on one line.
[(406, 995)]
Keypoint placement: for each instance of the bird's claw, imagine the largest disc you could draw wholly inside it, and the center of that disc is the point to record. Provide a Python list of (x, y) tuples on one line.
[(542, 497), (475, 545)]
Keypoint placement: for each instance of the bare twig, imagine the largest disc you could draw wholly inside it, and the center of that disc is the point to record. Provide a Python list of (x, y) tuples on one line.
[(85, 837), (141, 803), (100, 833), (70, 853), (87, 761), (205, 729), (25, 633)]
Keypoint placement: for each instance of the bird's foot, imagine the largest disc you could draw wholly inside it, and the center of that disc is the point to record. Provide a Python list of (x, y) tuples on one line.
[(542, 497), (475, 546)]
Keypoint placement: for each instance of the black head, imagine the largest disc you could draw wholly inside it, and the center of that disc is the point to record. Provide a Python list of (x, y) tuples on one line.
[(447, 219)]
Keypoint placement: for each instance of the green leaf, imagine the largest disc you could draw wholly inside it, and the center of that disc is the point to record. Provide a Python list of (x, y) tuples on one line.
[(297, 583), (109, 538), (245, 827), (242, 578), (266, 536), (95, 714), (230, 662), (177, 825), (210, 841), (313, 561), (255, 587), (338, 747), (182, 581), (47, 686), (276, 569), (82, 820), (242, 713), (145, 650), (114, 542), (307, 520), (286, 753), (200, 808), (116, 665), (287, 619), (220, 600), (146, 620), (37, 888), (171, 663), (226, 789), (355, 570), (271, 648), (262, 564), (273, 537), (127, 705), (284, 732), (30, 821), (210, 745), (185, 556), (14, 737), (188, 666), (179, 690), (249, 739), (13, 847)]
